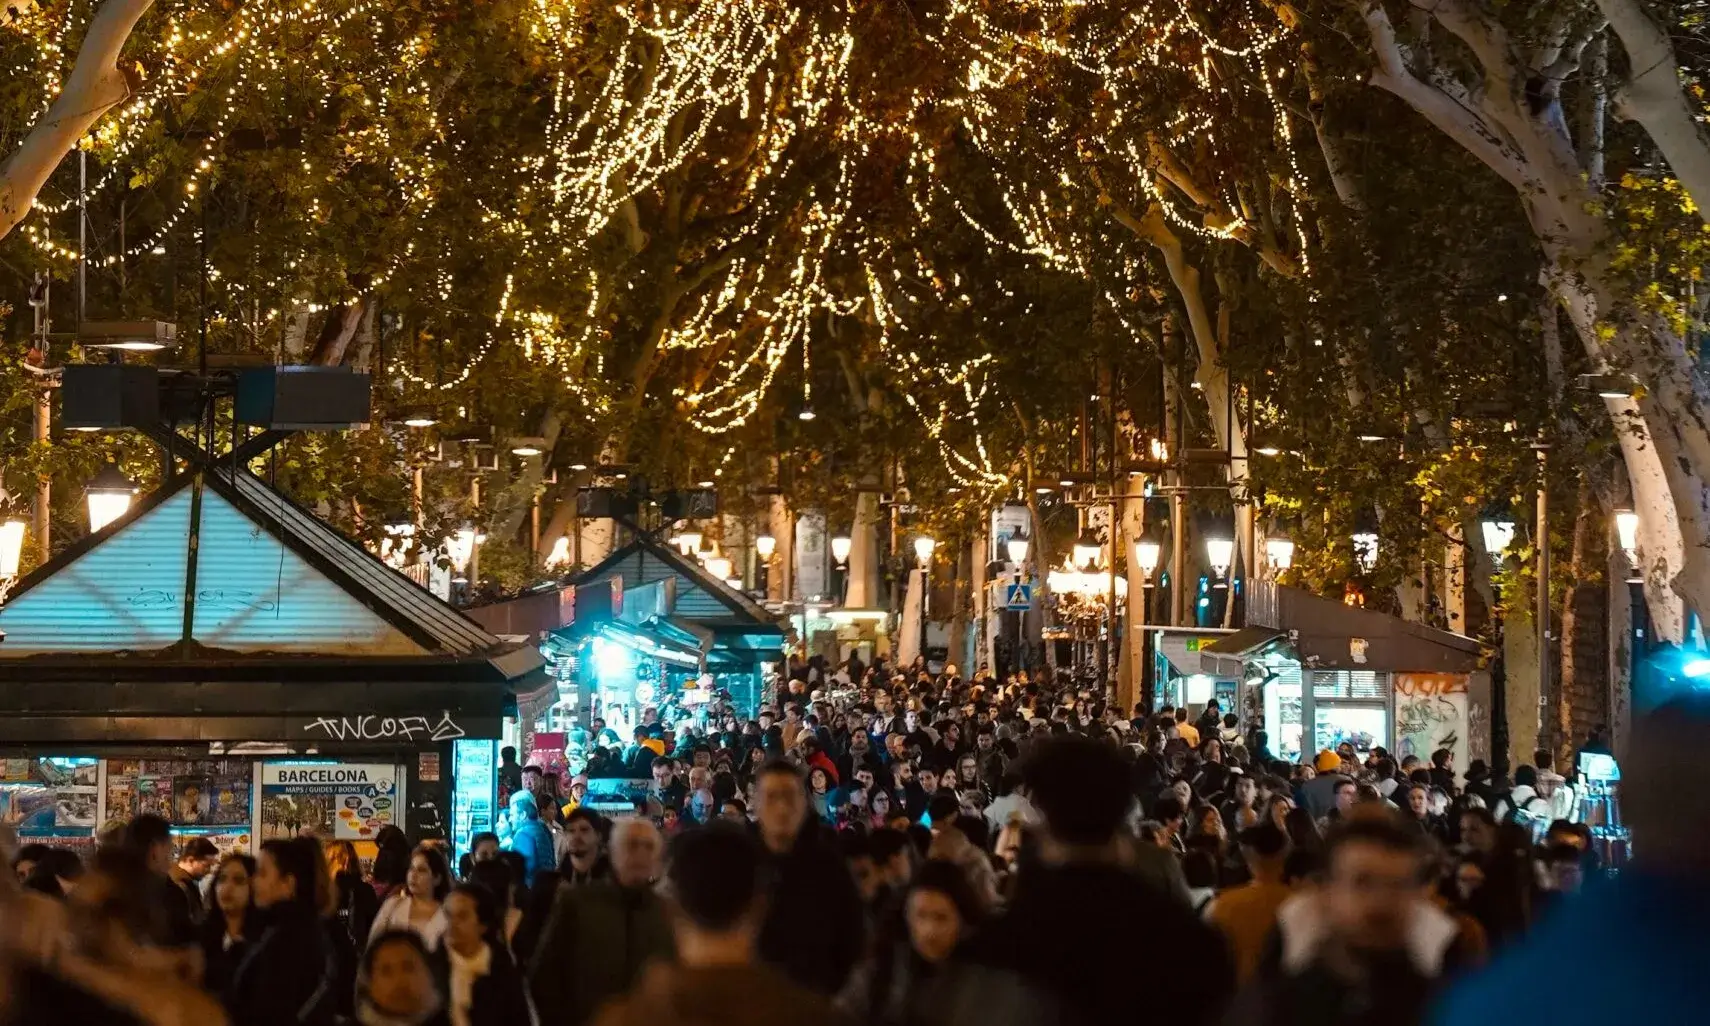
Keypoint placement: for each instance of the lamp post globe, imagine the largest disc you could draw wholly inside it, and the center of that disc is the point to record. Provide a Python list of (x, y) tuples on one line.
[(109, 494)]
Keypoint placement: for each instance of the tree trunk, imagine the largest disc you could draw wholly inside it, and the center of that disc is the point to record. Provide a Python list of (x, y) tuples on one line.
[(1579, 676), (95, 86), (1667, 443), (956, 646), (1655, 99), (864, 553)]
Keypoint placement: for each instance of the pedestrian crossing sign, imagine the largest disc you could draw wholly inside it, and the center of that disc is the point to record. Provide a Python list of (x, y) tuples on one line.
[(1018, 595)]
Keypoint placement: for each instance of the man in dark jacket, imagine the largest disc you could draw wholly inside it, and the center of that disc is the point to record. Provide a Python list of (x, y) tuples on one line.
[(1080, 889), (584, 863), (600, 937), (719, 881), (1365, 947), (814, 926)]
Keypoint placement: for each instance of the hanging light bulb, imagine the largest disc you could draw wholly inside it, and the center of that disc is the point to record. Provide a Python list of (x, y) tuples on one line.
[(689, 541)]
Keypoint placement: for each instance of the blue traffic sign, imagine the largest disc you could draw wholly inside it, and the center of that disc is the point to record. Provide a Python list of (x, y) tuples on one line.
[(1019, 595)]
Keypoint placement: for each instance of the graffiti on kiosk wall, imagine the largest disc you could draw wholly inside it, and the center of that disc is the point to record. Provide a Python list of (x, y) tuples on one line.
[(1431, 713), (386, 728)]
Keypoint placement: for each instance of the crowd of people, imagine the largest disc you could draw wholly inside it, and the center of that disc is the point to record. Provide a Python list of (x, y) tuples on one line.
[(898, 849)]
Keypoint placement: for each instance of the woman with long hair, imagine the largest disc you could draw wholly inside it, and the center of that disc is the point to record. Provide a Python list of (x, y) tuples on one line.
[(290, 976), (939, 913), (229, 930), (417, 907), (354, 902), (391, 861), (484, 986)]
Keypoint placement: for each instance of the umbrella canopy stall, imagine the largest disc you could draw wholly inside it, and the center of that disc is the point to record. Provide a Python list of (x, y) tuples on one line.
[(223, 658)]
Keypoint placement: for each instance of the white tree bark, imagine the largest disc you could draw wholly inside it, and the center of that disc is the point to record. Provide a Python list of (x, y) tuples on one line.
[(95, 86), (1654, 98), (863, 590), (1667, 442)]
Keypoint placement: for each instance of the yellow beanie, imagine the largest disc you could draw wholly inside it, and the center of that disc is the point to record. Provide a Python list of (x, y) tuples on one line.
[(1327, 762)]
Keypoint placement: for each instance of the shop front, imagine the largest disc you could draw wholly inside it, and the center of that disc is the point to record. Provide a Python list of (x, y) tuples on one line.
[(670, 626), (223, 659), (1355, 676), (1178, 677)]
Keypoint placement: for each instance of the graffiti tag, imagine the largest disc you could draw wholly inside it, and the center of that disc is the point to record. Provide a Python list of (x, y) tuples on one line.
[(386, 728)]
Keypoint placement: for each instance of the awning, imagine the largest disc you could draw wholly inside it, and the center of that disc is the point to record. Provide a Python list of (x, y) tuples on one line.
[(1181, 646), (1328, 635), (1226, 656)]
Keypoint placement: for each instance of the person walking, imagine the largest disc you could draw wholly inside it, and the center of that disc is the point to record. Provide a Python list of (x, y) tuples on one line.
[(417, 907), (1247, 915), (355, 903), (584, 863), (484, 987), (1638, 929), (815, 925), (720, 880), (230, 928), (396, 984), (600, 937), (531, 838), (1365, 946), (1080, 787), (290, 976), (940, 911)]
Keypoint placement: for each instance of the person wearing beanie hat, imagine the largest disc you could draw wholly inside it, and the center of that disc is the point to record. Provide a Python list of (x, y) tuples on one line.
[(1319, 793)]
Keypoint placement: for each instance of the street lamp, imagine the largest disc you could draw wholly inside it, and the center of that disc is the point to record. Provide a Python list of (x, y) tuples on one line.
[(1147, 553), (1498, 530), (11, 548), (1087, 550), (841, 546), (923, 546), (719, 567), (1220, 552), (1497, 526), (1627, 532), (1365, 539), (765, 545), (109, 493), (1016, 548), (1279, 550)]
